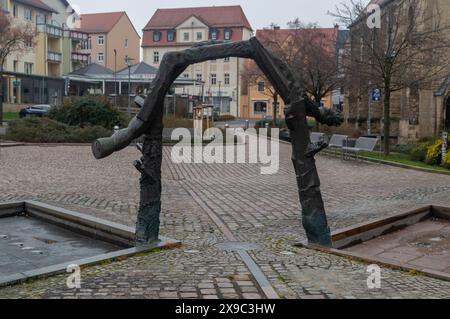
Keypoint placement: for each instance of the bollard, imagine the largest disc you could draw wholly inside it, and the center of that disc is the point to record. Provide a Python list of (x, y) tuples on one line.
[(116, 129), (247, 124)]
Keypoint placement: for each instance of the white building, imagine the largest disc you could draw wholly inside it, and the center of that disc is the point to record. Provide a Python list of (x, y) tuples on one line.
[(178, 29)]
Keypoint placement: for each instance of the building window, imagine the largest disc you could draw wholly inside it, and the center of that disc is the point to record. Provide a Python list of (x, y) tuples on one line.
[(227, 78), (260, 108), (199, 77), (15, 66), (28, 14), (214, 35), (156, 36), (261, 86), (199, 36), (100, 57), (29, 42), (226, 60), (156, 57), (89, 44), (186, 75), (15, 10), (101, 40), (227, 34), (170, 36), (186, 36), (28, 68), (213, 79), (126, 43)]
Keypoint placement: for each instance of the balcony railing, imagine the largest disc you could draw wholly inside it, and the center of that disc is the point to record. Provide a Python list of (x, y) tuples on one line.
[(76, 35), (80, 57), (4, 5), (50, 30), (54, 57)]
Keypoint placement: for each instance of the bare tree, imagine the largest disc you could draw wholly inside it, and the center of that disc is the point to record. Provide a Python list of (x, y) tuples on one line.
[(14, 38), (306, 48), (315, 58), (403, 51)]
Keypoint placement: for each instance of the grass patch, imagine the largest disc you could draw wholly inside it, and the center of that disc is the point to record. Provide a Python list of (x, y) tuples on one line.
[(405, 160), (10, 116)]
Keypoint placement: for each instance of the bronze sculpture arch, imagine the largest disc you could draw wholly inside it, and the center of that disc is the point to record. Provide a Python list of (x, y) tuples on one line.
[(149, 122)]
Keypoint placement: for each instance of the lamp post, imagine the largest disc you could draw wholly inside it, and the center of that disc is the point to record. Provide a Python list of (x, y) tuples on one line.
[(220, 97), (115, 77), (128, 63)]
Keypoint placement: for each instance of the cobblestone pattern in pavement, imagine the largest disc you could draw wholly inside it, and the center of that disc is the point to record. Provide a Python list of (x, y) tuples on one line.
[(257, 209)]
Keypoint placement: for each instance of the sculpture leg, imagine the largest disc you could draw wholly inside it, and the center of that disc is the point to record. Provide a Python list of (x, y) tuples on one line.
[(313, 209), (148, 222)]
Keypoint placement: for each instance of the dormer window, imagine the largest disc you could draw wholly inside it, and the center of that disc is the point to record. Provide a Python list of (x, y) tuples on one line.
[(156, 36), (214, 34), (170, 36), (227, 34)]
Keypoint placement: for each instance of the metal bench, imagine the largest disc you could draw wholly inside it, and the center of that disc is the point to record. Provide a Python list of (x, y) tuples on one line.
[(363, 144), (317, 137), (337, 142)]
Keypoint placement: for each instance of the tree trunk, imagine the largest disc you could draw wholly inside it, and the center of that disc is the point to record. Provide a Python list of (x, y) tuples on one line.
[(314, 218), (1, 98), (387, 119), (148, 220)]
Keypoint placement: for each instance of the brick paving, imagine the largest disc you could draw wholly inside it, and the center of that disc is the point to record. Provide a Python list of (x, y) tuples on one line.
[(202, 206)]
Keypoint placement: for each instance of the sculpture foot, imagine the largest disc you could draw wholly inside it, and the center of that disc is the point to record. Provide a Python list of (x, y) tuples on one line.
[(317, 230), (147, 225)]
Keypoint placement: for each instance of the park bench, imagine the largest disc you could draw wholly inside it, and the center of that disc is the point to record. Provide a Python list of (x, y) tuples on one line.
[(363, 144), (317, 137), (337, 142)]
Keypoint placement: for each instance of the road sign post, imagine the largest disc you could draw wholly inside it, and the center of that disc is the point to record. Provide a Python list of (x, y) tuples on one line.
[(374, 96)]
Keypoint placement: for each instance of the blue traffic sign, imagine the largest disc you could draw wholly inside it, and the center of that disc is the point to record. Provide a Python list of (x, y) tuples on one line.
[(376, 95)]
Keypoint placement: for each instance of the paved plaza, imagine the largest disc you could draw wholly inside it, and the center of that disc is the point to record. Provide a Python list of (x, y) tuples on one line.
[(207, 207)]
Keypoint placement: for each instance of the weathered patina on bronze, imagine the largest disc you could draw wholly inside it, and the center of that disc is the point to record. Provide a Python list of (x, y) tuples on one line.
[(149, 124)]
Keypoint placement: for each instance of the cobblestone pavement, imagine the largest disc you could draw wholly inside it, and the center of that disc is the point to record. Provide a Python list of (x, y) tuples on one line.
[(206, 205)]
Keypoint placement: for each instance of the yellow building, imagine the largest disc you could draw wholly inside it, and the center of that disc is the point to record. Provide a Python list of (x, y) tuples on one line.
[(34, 76)]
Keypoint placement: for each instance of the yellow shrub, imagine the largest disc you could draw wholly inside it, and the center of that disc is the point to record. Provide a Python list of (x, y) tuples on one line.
[(446, 161), (434, 154)]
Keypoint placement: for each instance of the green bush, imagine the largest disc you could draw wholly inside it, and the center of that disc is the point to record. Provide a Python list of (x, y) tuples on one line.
[(226, 118), (262, 123), (177, 122), (88, 111), (44, 130), (419, 153), (434, 154), (403, 148)]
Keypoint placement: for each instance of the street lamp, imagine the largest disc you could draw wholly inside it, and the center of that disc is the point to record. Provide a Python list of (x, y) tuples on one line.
[(128, 63), (220, 97), (115, 77)]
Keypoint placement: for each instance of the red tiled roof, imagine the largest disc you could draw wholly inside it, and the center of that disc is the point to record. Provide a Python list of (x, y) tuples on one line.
[(37, 4), (100, 22), (221, 16), (281, 35)]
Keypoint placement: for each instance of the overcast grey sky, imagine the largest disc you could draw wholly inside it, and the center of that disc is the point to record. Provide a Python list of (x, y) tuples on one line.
[(260, 13)]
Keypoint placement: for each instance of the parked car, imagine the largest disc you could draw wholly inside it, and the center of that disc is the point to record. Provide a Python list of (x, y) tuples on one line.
[(35, 110)]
